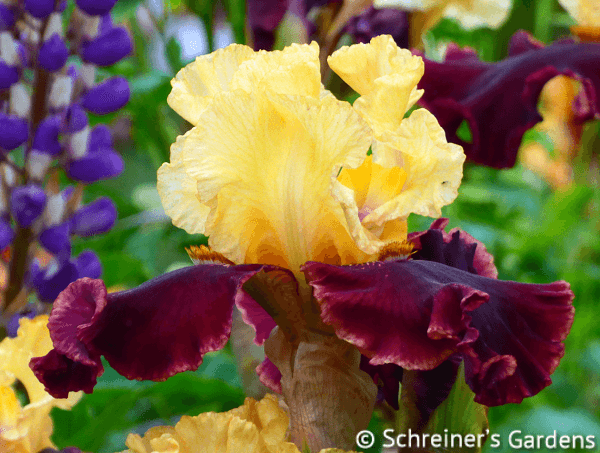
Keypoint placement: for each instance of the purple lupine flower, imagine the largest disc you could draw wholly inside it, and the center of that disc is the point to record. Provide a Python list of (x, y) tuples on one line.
[(499, 100), (14, 131), (45, 139), (100, 162), (76, 119), (27, 204), (50, 281), (8, 75), (94, 218), (7, 17), (95, 7), (7, 234), (12, 326), (39, 8), (106, 97), (64, 450), (57, 239), (53, 53), (109, 47), (88, 265)]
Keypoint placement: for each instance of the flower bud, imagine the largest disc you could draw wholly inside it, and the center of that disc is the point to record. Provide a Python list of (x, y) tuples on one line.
[(39, 8), (27, 204), (7, 17), (95, 7), (45, 139), (53, 54), (57, 239), (76, 119), (108, 47), (13, 131), (49, 282), (94, 218), (88, 265), (96, 166), (8, 75), (106, 97)]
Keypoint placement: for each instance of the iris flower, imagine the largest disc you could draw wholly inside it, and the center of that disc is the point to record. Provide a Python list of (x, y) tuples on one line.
[(307, 231), (255, 427), (499, 100), (26, 428)]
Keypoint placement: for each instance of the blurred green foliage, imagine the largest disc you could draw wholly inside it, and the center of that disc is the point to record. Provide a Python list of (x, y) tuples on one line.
[(535, 235)]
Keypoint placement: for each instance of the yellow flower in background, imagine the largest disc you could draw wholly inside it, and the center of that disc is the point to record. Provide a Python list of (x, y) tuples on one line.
[(255, 427), (469, 13), (26, 429), (587, 15), (275, 170), (585, 12)]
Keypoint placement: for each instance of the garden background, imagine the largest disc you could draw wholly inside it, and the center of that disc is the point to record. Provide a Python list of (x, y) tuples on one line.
[(537, 233)]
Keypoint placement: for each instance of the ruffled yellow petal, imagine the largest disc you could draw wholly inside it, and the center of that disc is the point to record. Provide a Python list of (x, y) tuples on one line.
[(264, 164), (433, 169), (28, 429), (384, 75), (293, 70), (585, 12), (178, 193), (255, 427), (194, 85)]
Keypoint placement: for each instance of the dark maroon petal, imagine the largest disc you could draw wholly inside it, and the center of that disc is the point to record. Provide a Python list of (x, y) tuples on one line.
[(456, 249), (499, 100), (427, 389), (264, 17), (61, 375), (256, 316), (421, 312), (374, 22), (269, 375), (163, 327), (387, 377)]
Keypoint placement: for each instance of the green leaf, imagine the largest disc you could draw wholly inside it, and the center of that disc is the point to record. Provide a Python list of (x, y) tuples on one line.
[(100, 422), (236, 14), (173, 53)]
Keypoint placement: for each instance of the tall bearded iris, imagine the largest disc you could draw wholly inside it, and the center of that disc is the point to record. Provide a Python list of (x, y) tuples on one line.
[(277, 173)]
